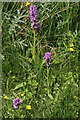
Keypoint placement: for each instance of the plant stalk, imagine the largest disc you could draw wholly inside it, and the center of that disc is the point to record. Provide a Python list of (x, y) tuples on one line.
[(34, 46), (19, 113), (48, 80), (38, 50)]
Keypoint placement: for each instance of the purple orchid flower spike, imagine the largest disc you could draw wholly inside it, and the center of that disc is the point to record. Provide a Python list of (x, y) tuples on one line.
[(47, 58), (33, 17)]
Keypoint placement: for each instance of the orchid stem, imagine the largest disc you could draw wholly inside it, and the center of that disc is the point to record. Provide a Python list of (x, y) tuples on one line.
[(47, 80), (38, 50), (34, 46)]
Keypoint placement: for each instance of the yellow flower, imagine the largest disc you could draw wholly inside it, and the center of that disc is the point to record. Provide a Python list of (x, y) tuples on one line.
[(28, 3), (22, 94), (71, 49), (28, 107), (5, 97), (74, 97), (71, 45)]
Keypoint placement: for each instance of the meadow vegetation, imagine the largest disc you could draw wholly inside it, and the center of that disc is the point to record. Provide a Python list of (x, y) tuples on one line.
[(45, 91)]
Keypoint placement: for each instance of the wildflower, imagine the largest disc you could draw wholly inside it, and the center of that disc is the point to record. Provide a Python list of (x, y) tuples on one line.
[(37, 27), (71, 49), (16, 103), (71, 45), (47, 58), (28, 107), (28, 3), (74, 97), (5, 97), (33, 17), (22, 94), (33, 13)]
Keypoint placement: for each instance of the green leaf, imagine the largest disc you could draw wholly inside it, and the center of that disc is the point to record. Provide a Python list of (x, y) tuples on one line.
[(50, 96), (20, 85)]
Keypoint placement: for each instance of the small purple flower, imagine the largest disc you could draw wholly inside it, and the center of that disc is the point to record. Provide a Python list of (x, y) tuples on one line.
[(33, 25), (47, 58), (16, 103), (37, 27)]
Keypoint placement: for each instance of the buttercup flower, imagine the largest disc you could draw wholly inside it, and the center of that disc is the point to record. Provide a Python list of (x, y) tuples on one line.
[(16, 103), (28, 107), (71, 45), (22, 94), (5, 97), (71, 49), (74, 97), (47, 58), (28, 3)]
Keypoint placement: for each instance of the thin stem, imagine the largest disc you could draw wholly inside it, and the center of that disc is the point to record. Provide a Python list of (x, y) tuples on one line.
[(69, 62), (68, 16), (19, 113), (48, 80), (34, 46), (38, 50)]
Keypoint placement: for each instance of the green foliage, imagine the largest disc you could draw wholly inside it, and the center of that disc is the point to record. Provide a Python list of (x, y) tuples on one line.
[(59, 27)]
